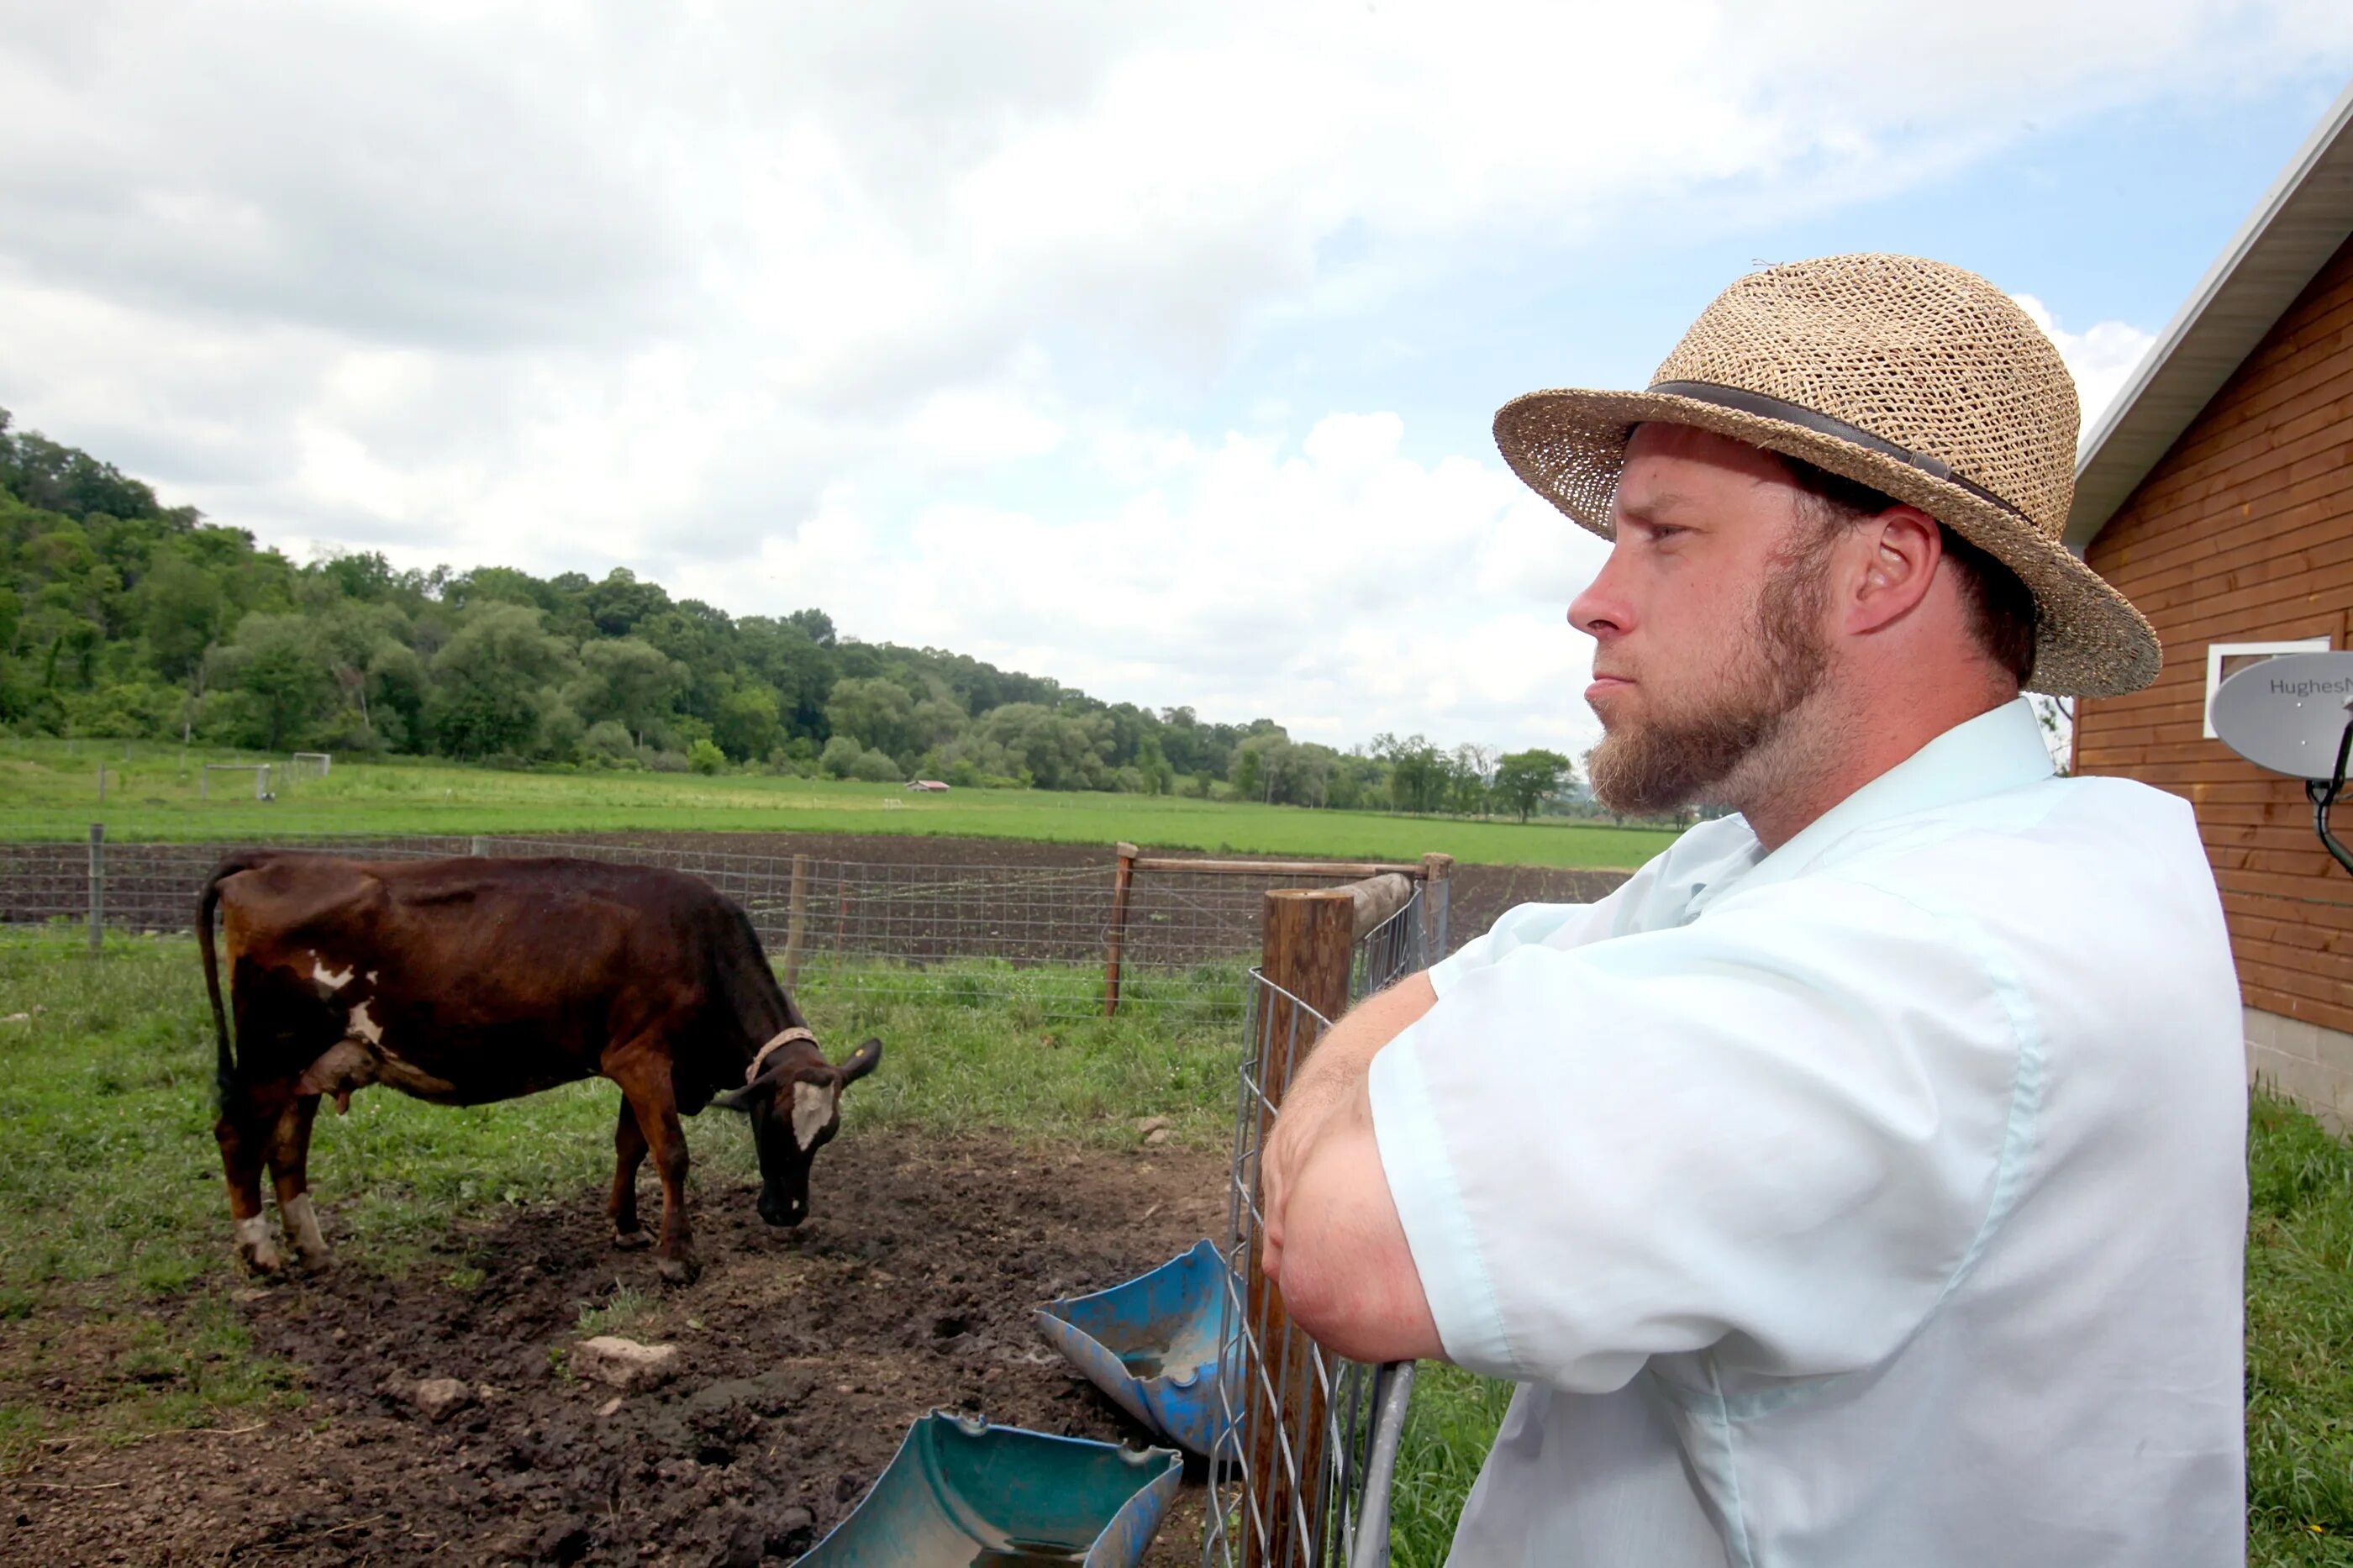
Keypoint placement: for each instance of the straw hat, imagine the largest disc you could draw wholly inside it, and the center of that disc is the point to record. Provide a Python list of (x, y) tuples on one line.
[(1913, 377)]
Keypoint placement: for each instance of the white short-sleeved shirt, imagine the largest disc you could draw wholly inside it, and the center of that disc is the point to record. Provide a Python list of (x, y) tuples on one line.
[(1877, 1201)]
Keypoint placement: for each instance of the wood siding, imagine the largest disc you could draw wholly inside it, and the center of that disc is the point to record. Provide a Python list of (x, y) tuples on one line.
[(2244, 533)]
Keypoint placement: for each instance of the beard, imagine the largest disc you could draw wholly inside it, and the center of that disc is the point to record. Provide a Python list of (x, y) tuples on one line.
[(1648, 768)]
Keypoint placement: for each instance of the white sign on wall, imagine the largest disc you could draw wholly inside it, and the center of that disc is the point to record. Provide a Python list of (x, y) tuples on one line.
[(2225, 659)]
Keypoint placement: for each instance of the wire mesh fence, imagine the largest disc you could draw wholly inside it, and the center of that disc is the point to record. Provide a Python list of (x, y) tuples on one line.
[(877, 932), (1300, 1477)]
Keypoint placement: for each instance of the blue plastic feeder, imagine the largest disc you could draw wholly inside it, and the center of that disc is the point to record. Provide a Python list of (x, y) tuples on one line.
[(1153, 1343), (961, 1493)]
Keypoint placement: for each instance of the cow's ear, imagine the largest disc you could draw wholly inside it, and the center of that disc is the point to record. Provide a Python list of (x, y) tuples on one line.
[(738, 1099), (861, 1061)]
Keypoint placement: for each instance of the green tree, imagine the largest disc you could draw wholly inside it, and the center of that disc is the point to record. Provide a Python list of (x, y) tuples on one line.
[(746, 727), (878, 712), (1525, 780), (280, 663), (488, 683), (839, 756), (181, 608), (628, 680)]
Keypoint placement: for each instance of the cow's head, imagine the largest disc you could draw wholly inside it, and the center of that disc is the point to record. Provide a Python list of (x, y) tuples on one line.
[(794, 1105)]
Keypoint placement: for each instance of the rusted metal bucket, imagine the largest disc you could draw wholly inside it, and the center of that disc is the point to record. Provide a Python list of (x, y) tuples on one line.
[(961, 1493), (1154, 1343)]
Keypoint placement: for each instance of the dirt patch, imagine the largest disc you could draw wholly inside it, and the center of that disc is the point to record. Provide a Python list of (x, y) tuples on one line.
[(806, 1355)]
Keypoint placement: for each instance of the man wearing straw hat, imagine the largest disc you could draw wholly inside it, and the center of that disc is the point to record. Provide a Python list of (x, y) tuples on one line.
[(1862, 1182)]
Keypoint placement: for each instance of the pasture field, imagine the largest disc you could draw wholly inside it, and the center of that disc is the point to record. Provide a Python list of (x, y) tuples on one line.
[(47, 791), (145, 1389)]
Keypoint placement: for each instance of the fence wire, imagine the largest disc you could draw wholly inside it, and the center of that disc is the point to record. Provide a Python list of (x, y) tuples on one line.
[(1301, 1475), (875, 934)]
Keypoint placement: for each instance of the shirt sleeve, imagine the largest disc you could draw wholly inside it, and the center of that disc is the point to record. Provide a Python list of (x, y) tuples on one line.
[(1782, 1122)]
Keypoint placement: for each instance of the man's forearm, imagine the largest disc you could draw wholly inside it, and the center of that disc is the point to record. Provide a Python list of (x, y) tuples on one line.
[(1344, 1057)]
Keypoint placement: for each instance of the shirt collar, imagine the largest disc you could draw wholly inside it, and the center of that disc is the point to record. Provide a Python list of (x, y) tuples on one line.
[(2001, 749)]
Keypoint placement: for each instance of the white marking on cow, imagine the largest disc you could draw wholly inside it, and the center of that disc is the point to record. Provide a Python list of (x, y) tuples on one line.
[(812, 1111), (364, 1027), (253, 1243), (371, 977), (302, 1227), (332, 980)]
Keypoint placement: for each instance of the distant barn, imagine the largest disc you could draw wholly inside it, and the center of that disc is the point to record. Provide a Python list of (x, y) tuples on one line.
[(2217, 495), (927, 784)]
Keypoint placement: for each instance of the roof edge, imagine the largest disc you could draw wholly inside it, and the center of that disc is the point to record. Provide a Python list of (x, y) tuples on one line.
[(2233, 306)]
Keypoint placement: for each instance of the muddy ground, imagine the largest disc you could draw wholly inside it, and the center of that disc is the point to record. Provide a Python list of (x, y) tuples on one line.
[(806, 1354)]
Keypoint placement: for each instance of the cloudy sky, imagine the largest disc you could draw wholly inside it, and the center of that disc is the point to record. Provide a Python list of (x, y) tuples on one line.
[(1148, 346)]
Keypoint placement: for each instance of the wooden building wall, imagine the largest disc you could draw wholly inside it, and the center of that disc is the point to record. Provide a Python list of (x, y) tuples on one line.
[(2244, 533)]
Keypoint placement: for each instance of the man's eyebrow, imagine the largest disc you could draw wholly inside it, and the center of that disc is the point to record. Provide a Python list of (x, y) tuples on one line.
[(1654, 510)]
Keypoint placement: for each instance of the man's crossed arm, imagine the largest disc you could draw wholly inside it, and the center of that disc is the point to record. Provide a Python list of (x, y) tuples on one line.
[(1334, 1241)]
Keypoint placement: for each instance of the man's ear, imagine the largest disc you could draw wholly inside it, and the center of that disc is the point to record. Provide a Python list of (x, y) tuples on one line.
[(1905, 546)]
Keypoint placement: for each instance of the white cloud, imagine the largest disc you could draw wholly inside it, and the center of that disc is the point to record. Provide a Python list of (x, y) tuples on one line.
[(1331, 577), (924, 311), (2101, 358)]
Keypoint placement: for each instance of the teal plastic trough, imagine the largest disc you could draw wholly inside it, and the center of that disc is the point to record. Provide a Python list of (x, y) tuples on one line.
[(1155, 1343), (961, 1493)]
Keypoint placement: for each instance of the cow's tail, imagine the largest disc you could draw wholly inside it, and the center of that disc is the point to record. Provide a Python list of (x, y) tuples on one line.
[(207, 903)]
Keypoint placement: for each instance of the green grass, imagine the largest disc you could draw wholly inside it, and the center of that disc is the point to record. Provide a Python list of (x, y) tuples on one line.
[(1448, 1429), (52, 793), (2299, 1339)]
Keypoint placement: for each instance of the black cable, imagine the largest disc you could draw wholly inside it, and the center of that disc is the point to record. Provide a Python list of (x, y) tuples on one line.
[(2324, 796)]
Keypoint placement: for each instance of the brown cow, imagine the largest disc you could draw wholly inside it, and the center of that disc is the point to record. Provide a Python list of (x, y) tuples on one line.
[(466, 981)]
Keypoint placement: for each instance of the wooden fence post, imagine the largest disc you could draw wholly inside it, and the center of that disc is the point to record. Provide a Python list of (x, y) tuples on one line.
[(1123, 874), (796, 920), (1310, 934), (1437, 894), (96, 886)]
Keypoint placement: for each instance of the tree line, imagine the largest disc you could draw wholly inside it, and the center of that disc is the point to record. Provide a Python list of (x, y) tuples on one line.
[(124, 617)]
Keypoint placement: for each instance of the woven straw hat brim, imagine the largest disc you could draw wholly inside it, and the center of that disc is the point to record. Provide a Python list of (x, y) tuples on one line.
[(1569, 447)]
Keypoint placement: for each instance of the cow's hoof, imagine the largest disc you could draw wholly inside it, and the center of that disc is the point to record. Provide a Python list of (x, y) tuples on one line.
[(678, 1270), (256, 1251), (318, 1260), (630, 1240)]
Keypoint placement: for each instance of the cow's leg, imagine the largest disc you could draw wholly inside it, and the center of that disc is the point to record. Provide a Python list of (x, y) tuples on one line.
[(628, 1153), (244, 1131), (290, 1154), (645, 1079)]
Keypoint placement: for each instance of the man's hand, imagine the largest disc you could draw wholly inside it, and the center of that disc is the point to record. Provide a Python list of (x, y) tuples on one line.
[(1334, 1241)]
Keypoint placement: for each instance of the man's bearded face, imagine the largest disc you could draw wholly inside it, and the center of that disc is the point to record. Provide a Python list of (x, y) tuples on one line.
[(1678, 746)]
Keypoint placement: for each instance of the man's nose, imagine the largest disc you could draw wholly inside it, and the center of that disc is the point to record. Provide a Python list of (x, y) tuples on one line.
[(1602, 612)]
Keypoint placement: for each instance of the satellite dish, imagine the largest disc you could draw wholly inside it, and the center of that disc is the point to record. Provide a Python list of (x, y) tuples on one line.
[(2289, 713), (2293, 715)]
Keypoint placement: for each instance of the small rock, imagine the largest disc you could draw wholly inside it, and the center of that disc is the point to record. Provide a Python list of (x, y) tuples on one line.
[(1156, 1137), (1152, 1124), (439, 1398), (625, 1364), (609, 1406)]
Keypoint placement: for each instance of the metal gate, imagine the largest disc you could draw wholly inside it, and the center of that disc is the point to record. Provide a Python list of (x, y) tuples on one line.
[(1301, 1476)]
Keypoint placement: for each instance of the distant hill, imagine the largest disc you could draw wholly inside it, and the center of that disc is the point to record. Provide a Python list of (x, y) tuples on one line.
[(121, 616)]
